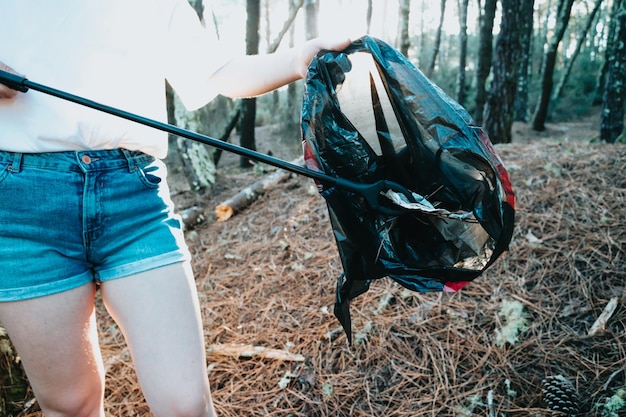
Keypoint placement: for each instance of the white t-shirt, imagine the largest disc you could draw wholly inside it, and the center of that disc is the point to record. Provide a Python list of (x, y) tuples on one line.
[(115, 52)]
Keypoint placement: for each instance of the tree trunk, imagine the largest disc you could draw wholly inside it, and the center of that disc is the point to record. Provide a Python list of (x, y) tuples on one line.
[(520, 112), (433, 61), (198, 165), (311, 26), (597, 99), (543, 36), (541, 114), (248, 122), (460, 79), (248, 119), (293, 106), (404, 11), (422, 35), (368, 16), (485, 52), (581, 40), (197, 162), (498, 115), (612, 116)]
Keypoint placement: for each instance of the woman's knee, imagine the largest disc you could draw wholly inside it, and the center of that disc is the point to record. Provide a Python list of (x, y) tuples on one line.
[(184, 405), (83, 401)]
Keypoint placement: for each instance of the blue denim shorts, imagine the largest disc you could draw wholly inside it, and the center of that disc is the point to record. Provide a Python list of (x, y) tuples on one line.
[(70, 218)]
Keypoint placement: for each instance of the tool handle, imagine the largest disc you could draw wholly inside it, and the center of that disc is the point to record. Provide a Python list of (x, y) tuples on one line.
[(13, 81), (371, 193)]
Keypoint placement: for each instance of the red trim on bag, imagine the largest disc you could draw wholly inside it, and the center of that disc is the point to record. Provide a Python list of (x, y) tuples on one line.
[(454, 286)]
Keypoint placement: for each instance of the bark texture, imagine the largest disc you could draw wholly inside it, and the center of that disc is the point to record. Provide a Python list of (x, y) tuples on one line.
[(612, 117), (485, 54), (562, 19), (498, 115), (248, 119)]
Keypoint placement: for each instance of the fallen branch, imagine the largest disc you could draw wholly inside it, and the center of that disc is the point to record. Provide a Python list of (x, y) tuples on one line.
[(192, 217), (250, 351), (245, 197)]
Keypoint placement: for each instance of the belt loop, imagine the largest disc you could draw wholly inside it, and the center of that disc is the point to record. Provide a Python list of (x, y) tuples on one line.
[(16, 164), (131, 161)]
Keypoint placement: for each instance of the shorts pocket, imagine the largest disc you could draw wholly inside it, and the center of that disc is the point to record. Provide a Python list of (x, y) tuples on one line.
[(152, 174)]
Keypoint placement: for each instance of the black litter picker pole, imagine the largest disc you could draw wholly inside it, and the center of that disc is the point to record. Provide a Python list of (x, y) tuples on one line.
[(370, 192)]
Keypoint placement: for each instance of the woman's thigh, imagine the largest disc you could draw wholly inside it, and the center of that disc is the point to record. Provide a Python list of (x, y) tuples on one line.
[(159, 315), (56, 338)]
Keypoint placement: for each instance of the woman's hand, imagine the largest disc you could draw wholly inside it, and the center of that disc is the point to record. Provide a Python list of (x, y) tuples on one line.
[(312, 47), (6, 92)]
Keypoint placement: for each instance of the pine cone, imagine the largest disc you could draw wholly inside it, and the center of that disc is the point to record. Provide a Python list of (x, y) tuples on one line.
[(559, 394)]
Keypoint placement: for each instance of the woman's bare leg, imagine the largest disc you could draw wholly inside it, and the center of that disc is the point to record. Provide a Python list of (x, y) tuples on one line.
[(56, 338), (159, 315)]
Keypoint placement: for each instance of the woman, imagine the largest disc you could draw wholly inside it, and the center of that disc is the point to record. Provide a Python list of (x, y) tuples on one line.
[(83, 197)]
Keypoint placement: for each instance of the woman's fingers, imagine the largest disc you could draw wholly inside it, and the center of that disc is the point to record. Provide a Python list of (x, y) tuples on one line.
[(6, 92)]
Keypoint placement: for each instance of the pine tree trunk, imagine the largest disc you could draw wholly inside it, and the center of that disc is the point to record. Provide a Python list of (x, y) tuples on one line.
[(523, 77), (403, 42), (197, 161), (433, 60), (293, 106), (248, 119), (422, 35), (541, 114), (612, 116), (368, 16), (498, 118), (311, 26), (485, 53), (460, 80), (581, 40), (597, 97), (543, 36)]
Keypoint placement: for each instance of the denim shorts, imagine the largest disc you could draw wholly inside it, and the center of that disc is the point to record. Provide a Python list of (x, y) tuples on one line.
[(71, 218)]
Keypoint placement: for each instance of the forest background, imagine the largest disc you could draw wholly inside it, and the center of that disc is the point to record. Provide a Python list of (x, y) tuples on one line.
[(535, 61)]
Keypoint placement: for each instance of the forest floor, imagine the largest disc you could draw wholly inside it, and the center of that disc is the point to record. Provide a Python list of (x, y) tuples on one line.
[(583, 130), (266, 280)]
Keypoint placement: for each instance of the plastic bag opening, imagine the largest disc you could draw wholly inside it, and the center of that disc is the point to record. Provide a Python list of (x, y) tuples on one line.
[(368, 115)]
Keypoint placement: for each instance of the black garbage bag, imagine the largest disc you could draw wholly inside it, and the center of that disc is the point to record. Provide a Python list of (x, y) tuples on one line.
[(368, 114)]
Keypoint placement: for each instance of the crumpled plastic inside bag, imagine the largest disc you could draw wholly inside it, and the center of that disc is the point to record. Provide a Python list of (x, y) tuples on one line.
[(368, 114)]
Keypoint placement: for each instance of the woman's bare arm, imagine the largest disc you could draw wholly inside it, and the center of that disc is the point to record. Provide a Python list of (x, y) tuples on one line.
[(253, 75)]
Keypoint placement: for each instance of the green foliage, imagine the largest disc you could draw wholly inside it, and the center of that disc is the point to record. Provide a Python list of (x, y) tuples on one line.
[(579, 90), (615, 404)]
